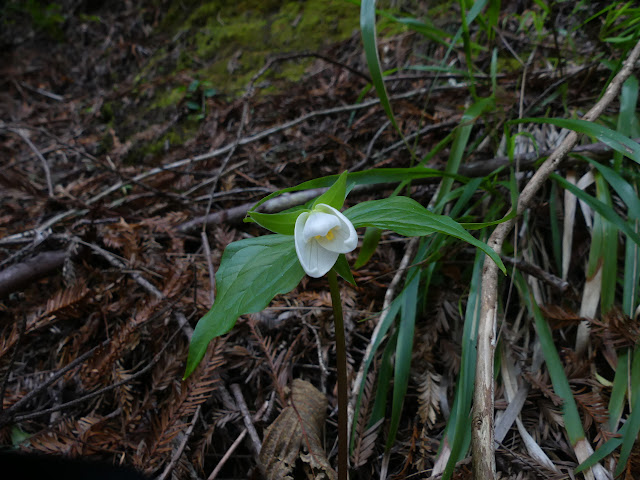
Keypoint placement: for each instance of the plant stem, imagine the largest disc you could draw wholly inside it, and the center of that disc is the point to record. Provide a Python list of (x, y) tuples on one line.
[(341, 364)]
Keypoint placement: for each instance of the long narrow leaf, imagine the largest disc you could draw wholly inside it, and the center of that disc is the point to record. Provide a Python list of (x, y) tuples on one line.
[(404, 348), (370, 42)]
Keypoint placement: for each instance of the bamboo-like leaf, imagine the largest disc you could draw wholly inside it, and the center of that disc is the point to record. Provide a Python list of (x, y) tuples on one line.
[(367, 177), (458, 429), (572, 421), (370, 42), (615, 140), (605, 210), (404, 349)]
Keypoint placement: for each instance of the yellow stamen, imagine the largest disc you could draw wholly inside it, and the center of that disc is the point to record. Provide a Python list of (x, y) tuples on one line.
[(329, 236)]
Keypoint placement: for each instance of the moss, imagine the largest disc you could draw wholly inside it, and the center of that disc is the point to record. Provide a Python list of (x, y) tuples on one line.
[(215, 34), (169, 97), (225, 42)]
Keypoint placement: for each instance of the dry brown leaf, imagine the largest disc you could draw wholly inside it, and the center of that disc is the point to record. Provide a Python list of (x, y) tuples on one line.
[(299, 426)]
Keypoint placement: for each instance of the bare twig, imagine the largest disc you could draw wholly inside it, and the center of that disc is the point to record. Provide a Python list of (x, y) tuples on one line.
[(89, 396), (207, 254), (34, 149), (5, 417), (539, 273), (178, 453), (236, 443), (482, 434), (246, 418)]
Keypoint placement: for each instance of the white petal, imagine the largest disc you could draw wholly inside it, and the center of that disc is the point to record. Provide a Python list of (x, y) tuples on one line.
[(345, 238), (315, 260), (319, 224)]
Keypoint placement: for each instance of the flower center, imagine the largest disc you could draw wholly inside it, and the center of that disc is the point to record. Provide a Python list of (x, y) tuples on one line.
[(329, 236)]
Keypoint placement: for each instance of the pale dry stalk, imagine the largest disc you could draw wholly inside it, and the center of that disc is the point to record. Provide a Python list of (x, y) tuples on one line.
[(482, 435)]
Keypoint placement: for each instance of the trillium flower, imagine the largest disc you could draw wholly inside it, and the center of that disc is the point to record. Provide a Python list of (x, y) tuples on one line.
[(321, 235)]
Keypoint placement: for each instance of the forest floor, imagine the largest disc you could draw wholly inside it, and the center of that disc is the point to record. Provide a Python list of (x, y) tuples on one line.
[(129, 157)]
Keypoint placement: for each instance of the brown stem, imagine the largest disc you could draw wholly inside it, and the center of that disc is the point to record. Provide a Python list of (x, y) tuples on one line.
[(341, 365)]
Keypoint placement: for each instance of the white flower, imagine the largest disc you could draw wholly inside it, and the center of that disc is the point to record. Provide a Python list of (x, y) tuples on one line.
[(320, 236)]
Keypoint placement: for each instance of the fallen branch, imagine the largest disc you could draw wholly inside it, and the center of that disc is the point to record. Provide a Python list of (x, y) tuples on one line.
[(482, 433), (20, 275)]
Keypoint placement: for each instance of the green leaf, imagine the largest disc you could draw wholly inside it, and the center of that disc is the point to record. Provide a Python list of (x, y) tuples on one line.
[(369, 244), (605, 210), (407, 217), (606, 449), (367, 177), (458, 429), (378, 409), (251, 273), (193, 86), (369, 40), (404, 348), (283, 223), (334, 197), (559, 380), (619, 390), (630, 435), (613, 139), (342, 268), (460, 140)]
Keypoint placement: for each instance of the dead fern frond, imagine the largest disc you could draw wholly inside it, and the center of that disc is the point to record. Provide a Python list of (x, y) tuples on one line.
[(365, 438), (428, 398), (594, 407), (174, 420), (64, 303)]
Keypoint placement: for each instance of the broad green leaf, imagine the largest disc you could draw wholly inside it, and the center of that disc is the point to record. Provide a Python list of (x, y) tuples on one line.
[(334, 197), (251, 273), (283, 223), (407, 217)]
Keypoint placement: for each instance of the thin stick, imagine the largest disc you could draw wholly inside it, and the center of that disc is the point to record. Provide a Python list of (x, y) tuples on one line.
[(178, 453), (482, 433), (45, 164), (341, 365), (207, 254), (228, 454), (246, 418)]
